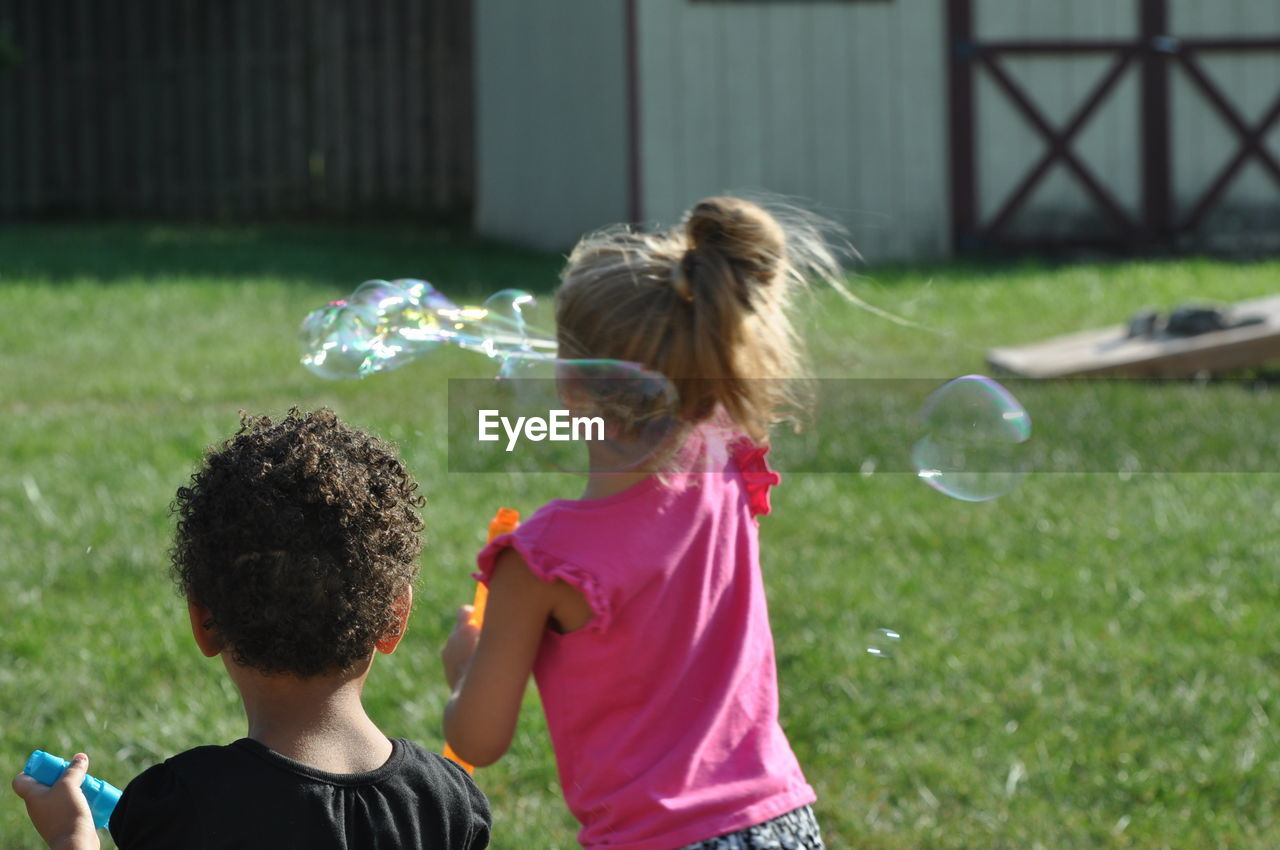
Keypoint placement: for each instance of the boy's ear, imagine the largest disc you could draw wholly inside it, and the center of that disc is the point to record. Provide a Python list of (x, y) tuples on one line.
[(202, 629), (402, 606)]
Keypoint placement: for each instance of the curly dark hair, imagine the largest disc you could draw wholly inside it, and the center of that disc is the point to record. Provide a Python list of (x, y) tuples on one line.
[(298, 536)]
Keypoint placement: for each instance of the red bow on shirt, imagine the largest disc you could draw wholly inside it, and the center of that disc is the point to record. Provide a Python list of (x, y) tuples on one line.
[(756, 474)]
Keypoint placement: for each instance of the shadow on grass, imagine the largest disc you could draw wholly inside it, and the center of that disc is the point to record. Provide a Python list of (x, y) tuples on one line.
[(336, 255)]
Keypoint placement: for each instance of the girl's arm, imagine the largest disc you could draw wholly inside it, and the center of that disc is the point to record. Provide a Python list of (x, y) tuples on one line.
[(488, 669)]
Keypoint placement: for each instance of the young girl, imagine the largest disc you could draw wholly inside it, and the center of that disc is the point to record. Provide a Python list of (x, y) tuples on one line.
[(639, 608)]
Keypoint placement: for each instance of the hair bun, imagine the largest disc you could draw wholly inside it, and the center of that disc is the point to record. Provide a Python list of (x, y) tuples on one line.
[(743, 233)]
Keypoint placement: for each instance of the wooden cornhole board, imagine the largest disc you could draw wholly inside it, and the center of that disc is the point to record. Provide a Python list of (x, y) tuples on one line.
[(1107, 352)]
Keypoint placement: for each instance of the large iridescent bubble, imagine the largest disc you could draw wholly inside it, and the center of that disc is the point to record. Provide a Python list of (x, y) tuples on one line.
[(973, 439), (636, 408), (383, 325)]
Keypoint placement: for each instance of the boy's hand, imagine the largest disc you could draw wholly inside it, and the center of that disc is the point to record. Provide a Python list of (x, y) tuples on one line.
[(60, 813), (460, 646)]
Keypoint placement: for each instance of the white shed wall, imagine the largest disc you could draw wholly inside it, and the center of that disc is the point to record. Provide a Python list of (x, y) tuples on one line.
[(551, 131), (839, 105)]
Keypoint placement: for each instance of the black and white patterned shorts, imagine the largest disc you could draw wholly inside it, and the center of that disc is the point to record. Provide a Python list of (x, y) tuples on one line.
[(796, 830)]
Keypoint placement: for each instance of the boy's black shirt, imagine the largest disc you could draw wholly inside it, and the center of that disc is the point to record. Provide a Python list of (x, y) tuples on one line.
[(244, 795)]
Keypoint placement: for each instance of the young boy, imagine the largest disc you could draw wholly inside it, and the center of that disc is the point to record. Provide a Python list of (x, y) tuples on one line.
[(297, 547)]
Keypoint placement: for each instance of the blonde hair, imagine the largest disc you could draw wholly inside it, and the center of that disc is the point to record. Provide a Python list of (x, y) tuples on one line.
[(705, 304)]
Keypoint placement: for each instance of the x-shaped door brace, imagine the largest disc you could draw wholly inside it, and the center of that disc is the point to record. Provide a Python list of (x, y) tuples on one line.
[(1251, 139), (1059, 141)]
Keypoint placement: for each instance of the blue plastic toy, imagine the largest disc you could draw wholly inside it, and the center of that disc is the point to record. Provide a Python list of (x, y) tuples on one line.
[(102, 796)]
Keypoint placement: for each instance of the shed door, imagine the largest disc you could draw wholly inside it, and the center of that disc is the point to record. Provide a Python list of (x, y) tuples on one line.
[(1083, 125)]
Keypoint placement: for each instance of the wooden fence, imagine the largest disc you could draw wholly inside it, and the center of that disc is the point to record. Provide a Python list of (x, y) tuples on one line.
[(220, 108)]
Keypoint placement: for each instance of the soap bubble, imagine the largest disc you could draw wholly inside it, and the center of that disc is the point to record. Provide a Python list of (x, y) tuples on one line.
[(513, 322), (632, 399), (335, 340), (883, 643), (380, 326), (385, 324), (973, 440), (403, 325), (636, 407), (590, 384)]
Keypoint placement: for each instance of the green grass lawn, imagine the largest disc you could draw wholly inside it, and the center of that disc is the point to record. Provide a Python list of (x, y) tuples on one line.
[(1089, 661)]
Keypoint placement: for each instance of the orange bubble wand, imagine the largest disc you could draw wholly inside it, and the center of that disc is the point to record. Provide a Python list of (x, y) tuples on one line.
[(503, 522)]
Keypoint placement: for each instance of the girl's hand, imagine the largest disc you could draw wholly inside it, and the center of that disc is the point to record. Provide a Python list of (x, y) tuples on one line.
[(460, 646), (60, 813)]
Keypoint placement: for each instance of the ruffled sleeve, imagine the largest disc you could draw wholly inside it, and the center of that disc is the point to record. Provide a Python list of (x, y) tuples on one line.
[(756, 474), (548, 567)]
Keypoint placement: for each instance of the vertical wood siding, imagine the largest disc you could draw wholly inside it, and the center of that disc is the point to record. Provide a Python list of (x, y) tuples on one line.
[(551, 118), (841, 105), (232, 107)]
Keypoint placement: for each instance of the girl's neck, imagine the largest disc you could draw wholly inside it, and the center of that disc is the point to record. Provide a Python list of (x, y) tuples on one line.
[(319, 721), (615, 468), (603, 485)]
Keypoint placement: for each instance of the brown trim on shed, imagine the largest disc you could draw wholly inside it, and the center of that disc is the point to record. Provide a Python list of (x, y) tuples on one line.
[(1157, 191), (961, 118), (635, 185)]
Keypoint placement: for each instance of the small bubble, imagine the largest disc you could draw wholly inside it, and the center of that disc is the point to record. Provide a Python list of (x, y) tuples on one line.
[(882, 643)]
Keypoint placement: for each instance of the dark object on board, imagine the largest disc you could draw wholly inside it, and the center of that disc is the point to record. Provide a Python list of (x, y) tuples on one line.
[(1186, 320)]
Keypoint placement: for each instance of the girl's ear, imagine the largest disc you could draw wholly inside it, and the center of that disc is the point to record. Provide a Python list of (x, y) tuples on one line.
[(202, 629), (401, 607)]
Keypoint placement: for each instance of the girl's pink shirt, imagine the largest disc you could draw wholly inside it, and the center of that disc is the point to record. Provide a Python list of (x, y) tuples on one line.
[(663, 709)]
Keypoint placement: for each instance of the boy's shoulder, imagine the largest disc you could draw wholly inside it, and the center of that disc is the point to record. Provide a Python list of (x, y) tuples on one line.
[(415, 792), (203, 762), (212, 764), (442, 772)]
